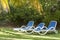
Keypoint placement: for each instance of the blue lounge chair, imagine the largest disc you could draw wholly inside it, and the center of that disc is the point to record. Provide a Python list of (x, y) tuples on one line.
[(51, 27), (38, 28), (28, 27)]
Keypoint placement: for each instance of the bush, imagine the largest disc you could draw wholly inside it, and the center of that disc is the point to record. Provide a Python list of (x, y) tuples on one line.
[(23, 14)]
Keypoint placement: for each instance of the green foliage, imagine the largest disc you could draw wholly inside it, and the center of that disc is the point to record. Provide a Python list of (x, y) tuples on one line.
[(47, 4), (24, 14), (21, 12), (58, 3)]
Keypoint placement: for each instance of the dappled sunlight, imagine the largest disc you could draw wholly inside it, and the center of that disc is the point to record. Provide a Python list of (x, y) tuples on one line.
[(44, 37), (23, 35), (15, 13), (7, 34), (13, 32), (13, 38)]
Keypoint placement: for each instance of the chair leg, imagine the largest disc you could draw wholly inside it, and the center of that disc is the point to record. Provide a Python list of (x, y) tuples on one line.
[(27, 32), (56, 31), (32, 32), (44, 32)]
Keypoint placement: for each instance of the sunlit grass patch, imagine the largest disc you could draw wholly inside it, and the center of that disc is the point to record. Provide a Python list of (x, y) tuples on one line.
[(13, 38), (10, 34)]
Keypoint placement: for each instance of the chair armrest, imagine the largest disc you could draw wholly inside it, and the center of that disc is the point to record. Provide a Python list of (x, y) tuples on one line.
[(23, 26), (51, 28), (33, 27), (45, 27)]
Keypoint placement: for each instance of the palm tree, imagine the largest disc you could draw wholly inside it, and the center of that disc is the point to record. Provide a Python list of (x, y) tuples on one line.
[(5, 5), (37, 5), (32, 3)]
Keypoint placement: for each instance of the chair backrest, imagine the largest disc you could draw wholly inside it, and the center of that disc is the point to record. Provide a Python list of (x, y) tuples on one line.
[(30, 24), (40, 26), (52, 24)]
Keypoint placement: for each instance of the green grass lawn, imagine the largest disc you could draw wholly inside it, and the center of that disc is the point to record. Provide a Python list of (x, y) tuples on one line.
[(9, 34)]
